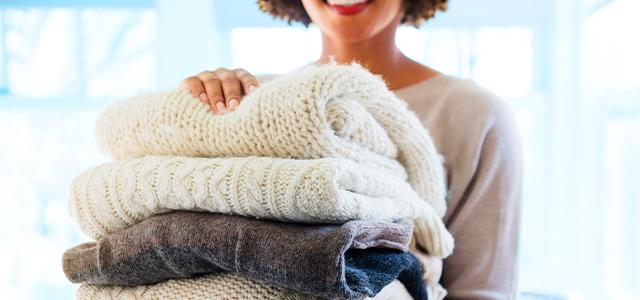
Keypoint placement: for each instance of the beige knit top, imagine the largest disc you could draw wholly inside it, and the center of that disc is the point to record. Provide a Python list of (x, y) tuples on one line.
[(477, 136)]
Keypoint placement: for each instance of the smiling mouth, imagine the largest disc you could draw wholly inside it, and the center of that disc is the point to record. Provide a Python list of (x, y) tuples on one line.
[(348, 7)]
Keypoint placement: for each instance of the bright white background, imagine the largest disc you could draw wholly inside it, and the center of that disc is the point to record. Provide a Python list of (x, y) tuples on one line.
[(569, 69)]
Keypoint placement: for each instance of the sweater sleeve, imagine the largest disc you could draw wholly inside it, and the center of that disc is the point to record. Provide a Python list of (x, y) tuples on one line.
[(485, 216)]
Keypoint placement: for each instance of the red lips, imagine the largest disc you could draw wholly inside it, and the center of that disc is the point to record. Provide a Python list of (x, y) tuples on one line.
[(350, 9)]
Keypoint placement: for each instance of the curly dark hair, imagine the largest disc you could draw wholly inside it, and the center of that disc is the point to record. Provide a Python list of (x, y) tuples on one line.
[(415, 11)]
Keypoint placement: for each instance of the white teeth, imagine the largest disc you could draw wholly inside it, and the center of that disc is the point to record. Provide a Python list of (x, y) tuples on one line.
[(345, 2)]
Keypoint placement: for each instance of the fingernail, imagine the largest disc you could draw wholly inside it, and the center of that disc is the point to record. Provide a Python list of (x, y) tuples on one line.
[(221, 108), (251, 88), (203, 98), (233, 103)]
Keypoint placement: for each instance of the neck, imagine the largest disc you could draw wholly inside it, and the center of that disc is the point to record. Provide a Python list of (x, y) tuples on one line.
[(379, 54)]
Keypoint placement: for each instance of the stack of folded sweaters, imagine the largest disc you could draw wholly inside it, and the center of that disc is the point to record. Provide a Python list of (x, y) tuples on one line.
[(314, 187)]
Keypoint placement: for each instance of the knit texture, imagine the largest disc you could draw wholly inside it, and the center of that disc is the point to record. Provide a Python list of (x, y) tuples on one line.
[(122, 193), (315, 112), (382, 266), (330, 112), (211, 287), (347, 261), (226, 286)]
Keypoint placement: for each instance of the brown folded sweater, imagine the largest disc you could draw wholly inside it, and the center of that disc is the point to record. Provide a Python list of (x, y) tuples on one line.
[(307, 258)]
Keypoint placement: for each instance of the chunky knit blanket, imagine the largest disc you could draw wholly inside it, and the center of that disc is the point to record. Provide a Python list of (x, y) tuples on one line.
[(370, 141)]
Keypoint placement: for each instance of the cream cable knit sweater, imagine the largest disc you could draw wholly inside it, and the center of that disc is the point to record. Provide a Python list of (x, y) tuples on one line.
[(121, 193), (315, 112), (326, 111)]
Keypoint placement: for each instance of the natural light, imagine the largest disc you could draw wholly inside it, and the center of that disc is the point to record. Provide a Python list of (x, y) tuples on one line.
[(570, 79)]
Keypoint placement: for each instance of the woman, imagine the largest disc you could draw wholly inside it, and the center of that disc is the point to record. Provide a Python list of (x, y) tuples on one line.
[(471, 128)]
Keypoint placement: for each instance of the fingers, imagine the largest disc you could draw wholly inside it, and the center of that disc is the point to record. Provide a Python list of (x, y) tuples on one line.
[(249, 82), (213, 91), (222, 89), (195, 86), (231, 87), (215, 96)]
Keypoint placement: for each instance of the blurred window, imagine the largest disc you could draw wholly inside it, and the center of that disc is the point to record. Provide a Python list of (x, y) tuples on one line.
[(57, 65), (610, 70), (579, 122), (48, 52)]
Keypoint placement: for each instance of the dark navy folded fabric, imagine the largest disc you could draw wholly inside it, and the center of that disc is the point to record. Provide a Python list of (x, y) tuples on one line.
[(368, 271)]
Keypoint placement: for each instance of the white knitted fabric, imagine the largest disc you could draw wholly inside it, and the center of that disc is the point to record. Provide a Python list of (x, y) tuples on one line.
[(315, 112), (225, 286), (328, 143), (330, 190), (218, 287), (396, 291)]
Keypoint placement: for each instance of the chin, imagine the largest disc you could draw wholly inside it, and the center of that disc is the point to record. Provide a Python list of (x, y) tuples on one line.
[(352, 20)]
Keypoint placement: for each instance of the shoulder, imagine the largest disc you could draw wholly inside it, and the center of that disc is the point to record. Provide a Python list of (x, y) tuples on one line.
[(487, 109), (458, 105), (467, 122), (473, 103)]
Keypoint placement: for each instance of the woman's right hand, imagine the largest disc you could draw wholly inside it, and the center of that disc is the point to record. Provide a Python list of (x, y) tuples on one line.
[(222, 89)]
